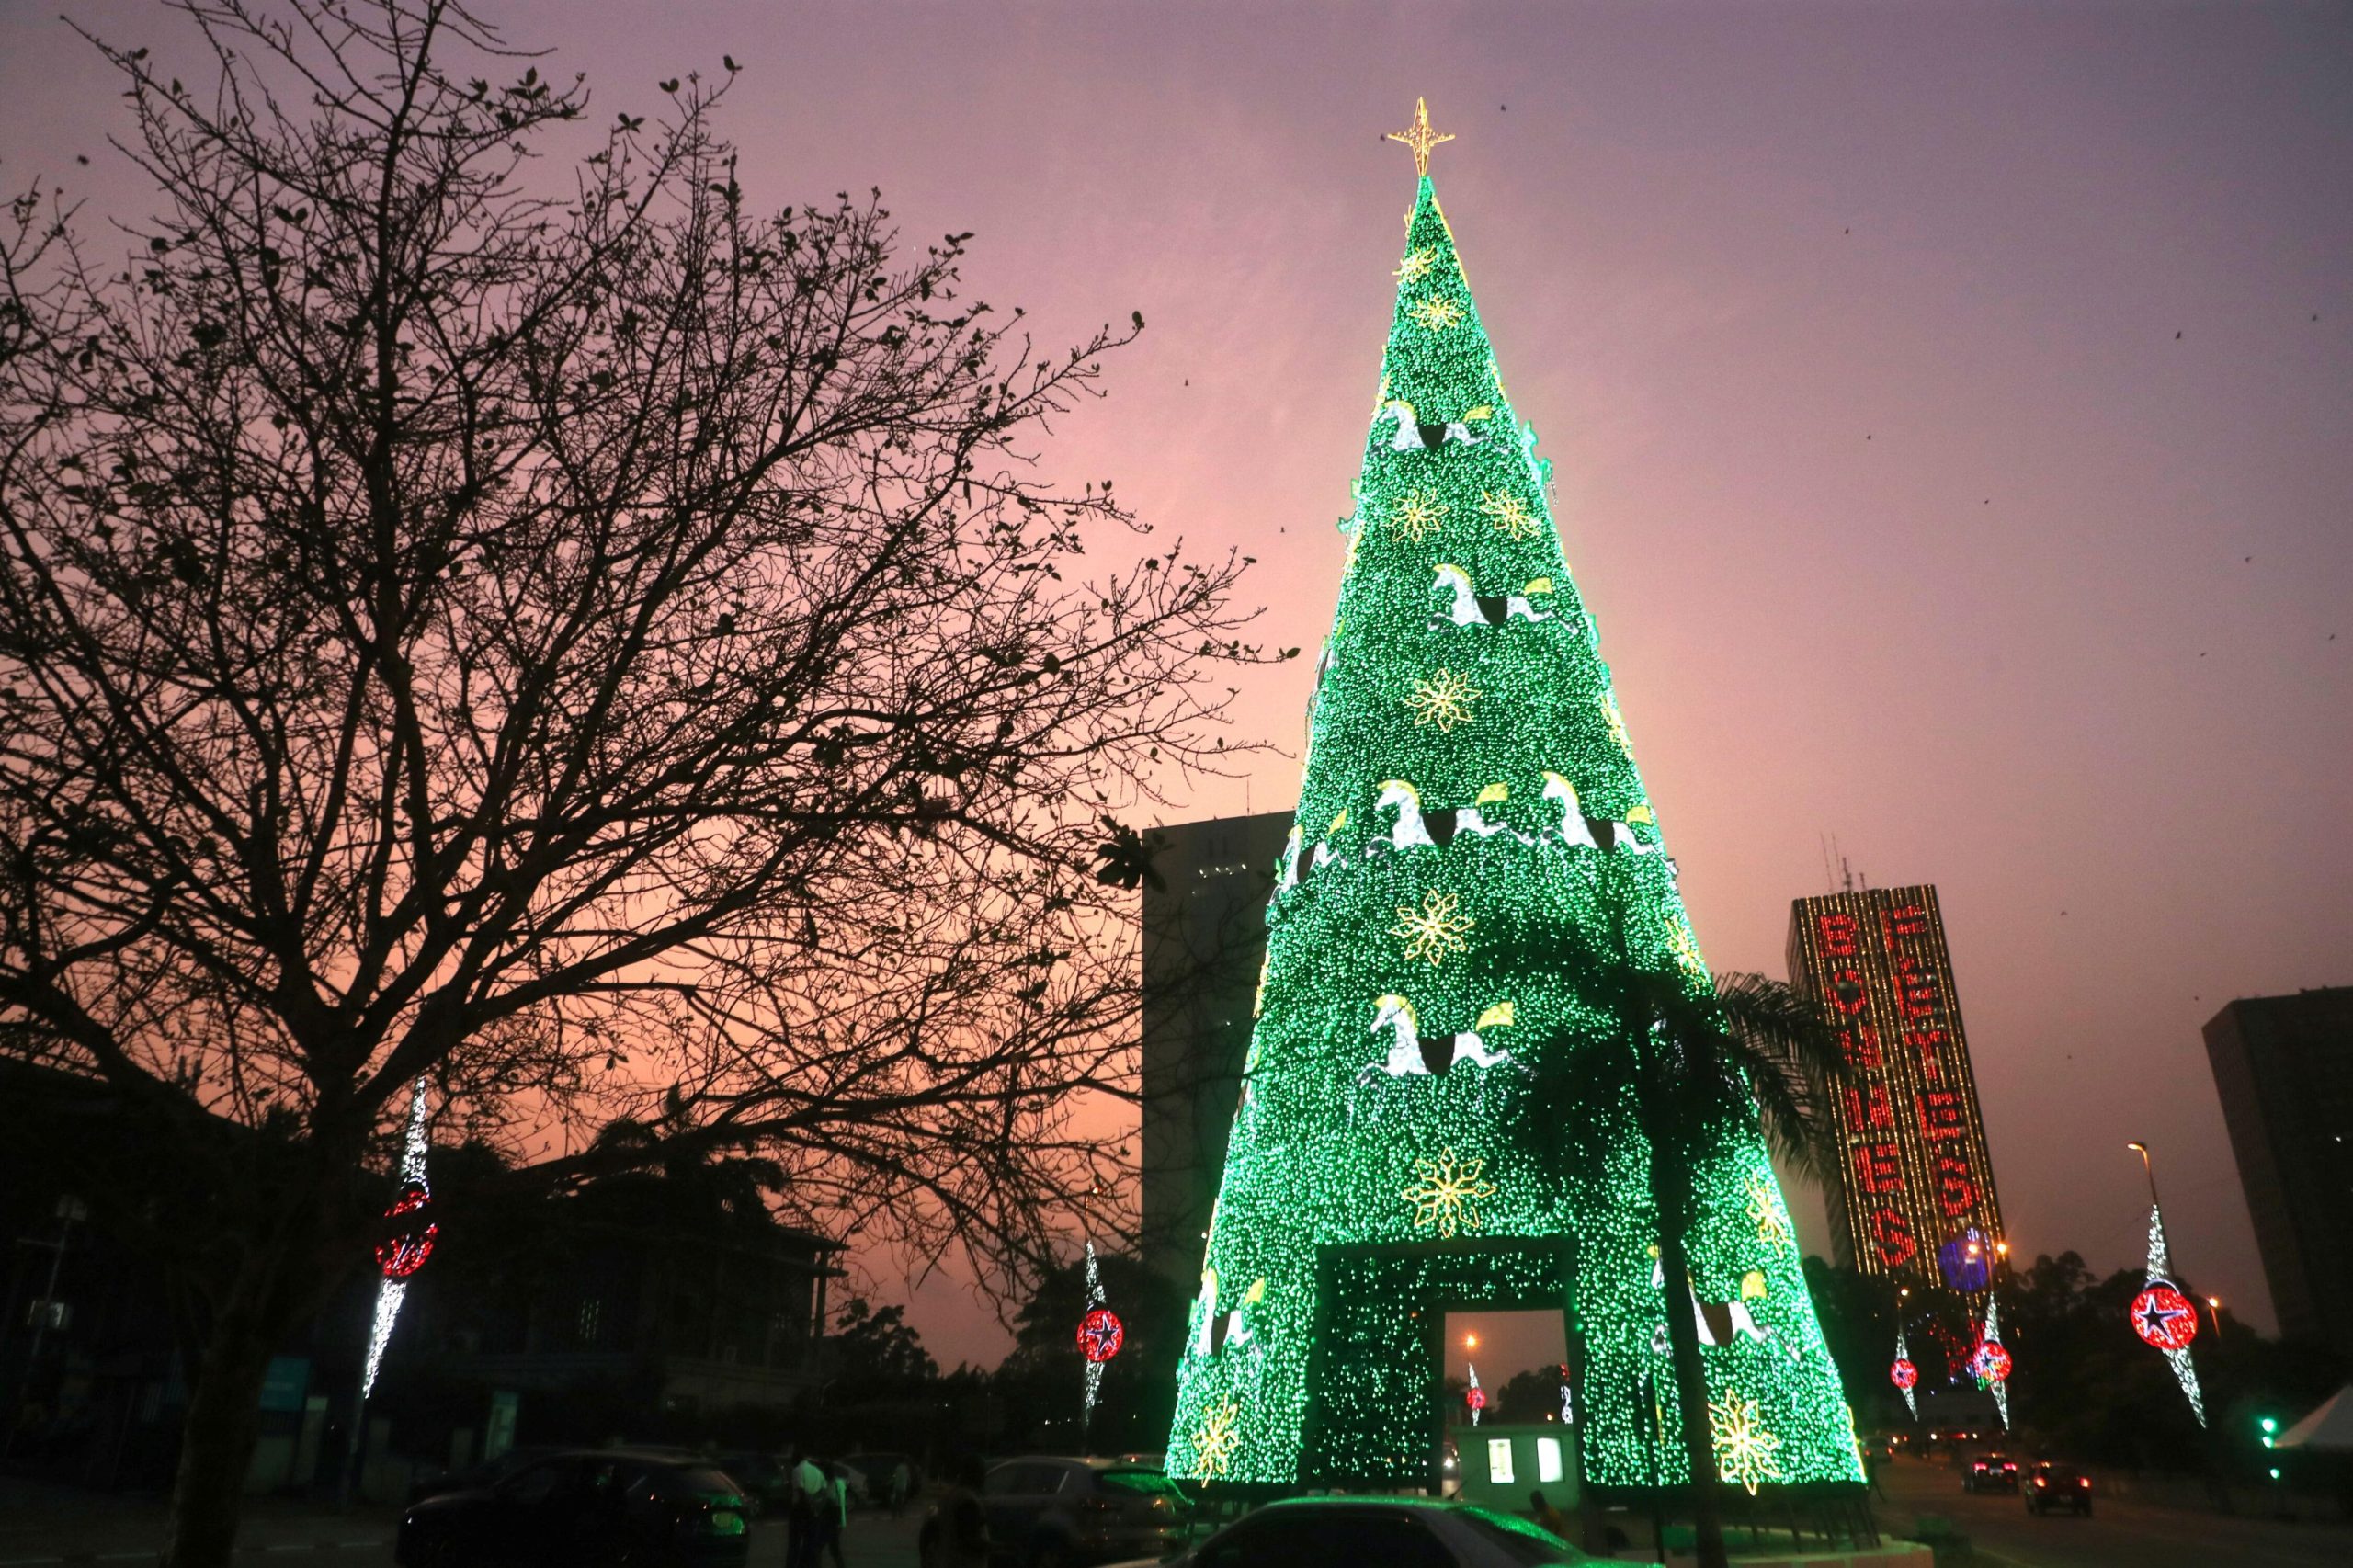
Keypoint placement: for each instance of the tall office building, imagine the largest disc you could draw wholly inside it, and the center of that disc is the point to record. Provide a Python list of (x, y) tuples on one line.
[(1204, 937), (2283, 1068), (1915, 1194)]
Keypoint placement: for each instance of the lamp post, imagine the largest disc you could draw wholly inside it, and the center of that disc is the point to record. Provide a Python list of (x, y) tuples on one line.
[(2214, 1316), (2147, 1169)]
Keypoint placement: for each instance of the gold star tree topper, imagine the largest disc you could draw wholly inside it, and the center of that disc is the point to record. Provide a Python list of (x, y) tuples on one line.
[(1420, 137)]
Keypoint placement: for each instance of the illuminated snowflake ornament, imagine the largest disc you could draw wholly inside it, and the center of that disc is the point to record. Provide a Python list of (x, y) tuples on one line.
[(1443, 700), (1904, 1375), (1434, 930), (1215, 1441), (1416, 514), (1510, 514), (1446, 1193), (1437, 314), (1744, 1449), (1416, 264)]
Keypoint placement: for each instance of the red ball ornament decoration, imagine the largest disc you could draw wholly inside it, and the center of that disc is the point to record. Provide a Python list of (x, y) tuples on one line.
[(1990, 1363), (1476, 1399), (2164, 1316), (398, 1257), (1100, 1334), (1904, 1374)]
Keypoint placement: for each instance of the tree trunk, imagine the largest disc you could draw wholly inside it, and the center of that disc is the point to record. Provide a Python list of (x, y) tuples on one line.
[(1671, 1194), (223, 1421)]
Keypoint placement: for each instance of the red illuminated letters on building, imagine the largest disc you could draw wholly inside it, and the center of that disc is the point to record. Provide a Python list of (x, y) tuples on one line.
[(1913, 1164), (1891, 1234)]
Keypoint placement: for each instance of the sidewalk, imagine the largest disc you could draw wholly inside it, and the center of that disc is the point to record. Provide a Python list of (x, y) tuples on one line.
[(42, 1524)]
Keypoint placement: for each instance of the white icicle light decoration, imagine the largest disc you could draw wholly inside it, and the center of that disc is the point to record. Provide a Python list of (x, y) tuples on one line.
[(390, 1291), (1999, 1387), (2161, 1267), (1094, 1368)]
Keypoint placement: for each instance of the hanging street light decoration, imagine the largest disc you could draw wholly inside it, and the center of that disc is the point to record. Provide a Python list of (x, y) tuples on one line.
[(2161, 1314), (400, 1254), (1989, 1363), (1100, 1334)]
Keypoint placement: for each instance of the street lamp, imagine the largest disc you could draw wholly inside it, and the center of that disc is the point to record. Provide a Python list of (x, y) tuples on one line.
[(1470, 1342), (2147, 1169), (2214, 1316)]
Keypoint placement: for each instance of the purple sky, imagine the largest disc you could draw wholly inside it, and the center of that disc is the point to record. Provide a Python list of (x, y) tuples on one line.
[(1851, 334)]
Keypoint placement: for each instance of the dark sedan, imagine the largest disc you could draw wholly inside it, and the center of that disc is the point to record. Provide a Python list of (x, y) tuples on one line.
[(2055, 1487), (601, 1508)]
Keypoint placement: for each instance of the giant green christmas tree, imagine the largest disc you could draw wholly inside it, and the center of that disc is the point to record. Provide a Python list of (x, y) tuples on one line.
[(1470, 817)]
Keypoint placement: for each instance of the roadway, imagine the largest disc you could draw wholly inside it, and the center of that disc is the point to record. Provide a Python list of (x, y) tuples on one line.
[(2122, 1533)]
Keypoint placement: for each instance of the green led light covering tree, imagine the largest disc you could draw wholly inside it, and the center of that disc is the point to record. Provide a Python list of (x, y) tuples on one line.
[(1470, 817)]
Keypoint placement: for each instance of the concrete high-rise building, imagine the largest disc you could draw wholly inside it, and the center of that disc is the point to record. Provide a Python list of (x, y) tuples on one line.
[(1204, 938), (2283, 1068), (1916, 1193)]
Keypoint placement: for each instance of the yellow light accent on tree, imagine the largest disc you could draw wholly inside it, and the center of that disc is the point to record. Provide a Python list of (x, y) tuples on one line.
[(1772, 1220), (1443, 700), (1446, 1193), (1416, 266), (1752, 1285), (1434, 930), (1436, 315), (1617, 722), (1419, 137), (1416, 515), (1510, 514), (1744, 1449)]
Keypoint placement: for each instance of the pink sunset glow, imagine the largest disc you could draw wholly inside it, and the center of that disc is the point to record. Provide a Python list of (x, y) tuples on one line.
[(1950, 407)]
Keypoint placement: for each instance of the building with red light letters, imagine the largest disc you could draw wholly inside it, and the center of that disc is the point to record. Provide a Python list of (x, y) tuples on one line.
[(1917, 1193)]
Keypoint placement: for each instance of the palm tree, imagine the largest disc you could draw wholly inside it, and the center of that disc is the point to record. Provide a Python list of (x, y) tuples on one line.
[(1688, 1066)]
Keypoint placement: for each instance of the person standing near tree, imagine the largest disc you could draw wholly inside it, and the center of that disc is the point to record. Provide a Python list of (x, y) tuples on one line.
[(901, 1483), (832, 1514), (805, 1485)]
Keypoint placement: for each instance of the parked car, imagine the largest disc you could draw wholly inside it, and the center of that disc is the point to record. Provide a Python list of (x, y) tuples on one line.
[(1062, 1513), (1991, 1472), (1393, 1532), (762, 1477), (475, 1477), (594, 1509), (2057, 1487)]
